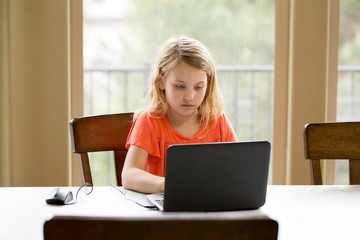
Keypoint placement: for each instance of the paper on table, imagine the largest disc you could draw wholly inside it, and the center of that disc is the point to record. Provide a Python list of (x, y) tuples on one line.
[(137, 197)]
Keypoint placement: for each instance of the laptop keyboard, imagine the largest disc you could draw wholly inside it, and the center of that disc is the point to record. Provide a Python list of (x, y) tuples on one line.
[(160, 202)]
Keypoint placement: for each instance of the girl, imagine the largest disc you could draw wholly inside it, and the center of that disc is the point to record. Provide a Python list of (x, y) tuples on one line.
[(183, 106)]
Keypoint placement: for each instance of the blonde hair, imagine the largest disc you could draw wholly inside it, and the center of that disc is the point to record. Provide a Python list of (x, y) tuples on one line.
[(192, 52)]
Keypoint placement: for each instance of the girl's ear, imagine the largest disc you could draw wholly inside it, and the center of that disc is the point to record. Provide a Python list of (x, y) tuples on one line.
[(161, 82)]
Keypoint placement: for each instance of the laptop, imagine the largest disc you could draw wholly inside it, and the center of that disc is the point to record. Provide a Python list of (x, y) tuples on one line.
[(215, 177)]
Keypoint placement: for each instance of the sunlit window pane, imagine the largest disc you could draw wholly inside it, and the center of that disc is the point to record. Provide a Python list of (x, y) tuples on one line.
[(121, 40), (348, 101)]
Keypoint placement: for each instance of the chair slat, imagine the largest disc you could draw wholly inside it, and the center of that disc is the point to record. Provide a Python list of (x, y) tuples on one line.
[(333, 141), (354, 168), (315, 168), (119, 157), (100, 133)]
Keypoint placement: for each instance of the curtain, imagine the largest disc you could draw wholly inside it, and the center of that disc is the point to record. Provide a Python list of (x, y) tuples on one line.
[(37, 75)]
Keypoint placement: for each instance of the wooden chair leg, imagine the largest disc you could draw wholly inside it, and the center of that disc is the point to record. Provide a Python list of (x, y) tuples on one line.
[(354, 172), (315, 170), (119, 164), (85, 168)]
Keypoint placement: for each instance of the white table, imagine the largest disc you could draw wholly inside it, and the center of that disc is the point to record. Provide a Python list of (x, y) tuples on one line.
[(23, 211), (315, 212)]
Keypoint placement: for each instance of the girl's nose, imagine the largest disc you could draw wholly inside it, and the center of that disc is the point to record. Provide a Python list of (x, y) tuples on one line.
[(189, 96)]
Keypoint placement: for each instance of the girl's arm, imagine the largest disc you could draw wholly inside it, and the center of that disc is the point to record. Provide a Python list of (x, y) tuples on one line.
[(134, 177)]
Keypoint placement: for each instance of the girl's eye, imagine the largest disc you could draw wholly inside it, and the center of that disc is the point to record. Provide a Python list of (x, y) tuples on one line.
[(180, 86), (198, 87)]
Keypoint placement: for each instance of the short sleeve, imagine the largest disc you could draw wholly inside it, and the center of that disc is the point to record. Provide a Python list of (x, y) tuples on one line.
[(143, 134), (227, 132)]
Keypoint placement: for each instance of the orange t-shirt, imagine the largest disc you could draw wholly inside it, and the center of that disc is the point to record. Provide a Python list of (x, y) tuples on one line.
[(155, 135)]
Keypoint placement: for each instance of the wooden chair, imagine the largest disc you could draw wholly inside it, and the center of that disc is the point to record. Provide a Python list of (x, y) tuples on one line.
[(161, 228), (100, 133), (340, 140)]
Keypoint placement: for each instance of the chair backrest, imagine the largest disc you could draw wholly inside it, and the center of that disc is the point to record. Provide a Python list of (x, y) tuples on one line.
[(100, 133), (161, 228), (336, 141)]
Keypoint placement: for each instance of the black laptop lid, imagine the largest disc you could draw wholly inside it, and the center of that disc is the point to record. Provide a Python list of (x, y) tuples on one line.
[(216, 176)]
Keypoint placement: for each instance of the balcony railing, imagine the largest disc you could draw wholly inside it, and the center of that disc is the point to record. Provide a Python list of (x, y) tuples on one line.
[(348, 99), (247, 92)]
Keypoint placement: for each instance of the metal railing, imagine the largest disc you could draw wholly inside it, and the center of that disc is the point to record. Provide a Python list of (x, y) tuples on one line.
[(348, 99), (106, 87), (247, 92)]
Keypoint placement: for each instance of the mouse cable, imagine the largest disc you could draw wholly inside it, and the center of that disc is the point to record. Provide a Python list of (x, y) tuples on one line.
[(86, 192), (131, 200)]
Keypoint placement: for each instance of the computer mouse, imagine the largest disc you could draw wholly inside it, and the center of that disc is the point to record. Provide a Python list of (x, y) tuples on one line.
[(60, 196)]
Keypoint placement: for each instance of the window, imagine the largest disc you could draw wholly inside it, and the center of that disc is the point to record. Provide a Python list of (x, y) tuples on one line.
[(121, 40), (348, 101)]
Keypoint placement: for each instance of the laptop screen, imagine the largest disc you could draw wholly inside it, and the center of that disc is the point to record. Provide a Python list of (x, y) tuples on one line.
[(216, 176)]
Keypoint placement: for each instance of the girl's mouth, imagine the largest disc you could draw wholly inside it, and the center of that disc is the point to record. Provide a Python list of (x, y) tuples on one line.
[(187, 105)]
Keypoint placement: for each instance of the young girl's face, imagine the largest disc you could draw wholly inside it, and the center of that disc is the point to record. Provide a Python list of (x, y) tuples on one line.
[(185, 88)]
